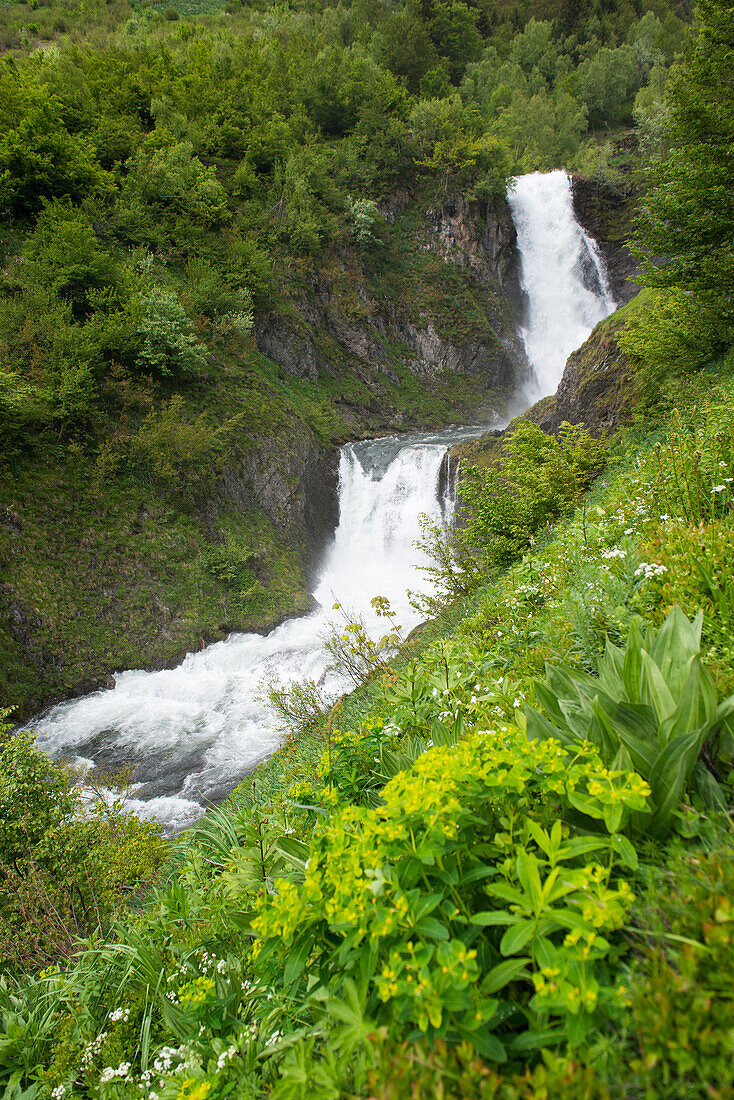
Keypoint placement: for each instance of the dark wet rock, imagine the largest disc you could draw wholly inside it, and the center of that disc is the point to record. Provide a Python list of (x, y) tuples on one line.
[(340, 321), (605, 211)]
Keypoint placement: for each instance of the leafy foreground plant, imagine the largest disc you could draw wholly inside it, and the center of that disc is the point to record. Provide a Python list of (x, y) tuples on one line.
[(462, 909), (653, 708)]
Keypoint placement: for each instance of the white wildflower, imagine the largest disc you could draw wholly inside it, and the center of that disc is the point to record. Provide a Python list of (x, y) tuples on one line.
[(109, 1074), (650, 569)]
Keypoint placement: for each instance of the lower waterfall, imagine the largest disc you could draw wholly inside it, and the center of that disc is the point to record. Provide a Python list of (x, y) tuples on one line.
[(192, 733)]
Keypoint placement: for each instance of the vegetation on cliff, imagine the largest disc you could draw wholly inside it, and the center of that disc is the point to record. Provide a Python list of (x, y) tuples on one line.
[(170, 173)]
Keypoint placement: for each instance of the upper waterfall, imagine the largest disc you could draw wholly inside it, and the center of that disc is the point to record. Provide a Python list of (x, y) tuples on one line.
[(562, 274)]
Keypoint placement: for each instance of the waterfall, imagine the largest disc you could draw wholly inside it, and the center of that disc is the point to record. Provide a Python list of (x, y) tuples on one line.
[(192, 733), (562, 275)]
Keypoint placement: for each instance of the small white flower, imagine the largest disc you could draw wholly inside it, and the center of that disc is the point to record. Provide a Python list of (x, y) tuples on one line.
[(58, 1092), (614, 552), (718, 488)]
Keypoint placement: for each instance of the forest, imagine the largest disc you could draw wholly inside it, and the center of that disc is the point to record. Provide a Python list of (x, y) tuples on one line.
[(501, 867)]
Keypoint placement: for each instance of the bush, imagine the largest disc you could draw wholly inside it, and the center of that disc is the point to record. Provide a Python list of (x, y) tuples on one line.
[(66, 869), (681, 984), (443, 910), (168, 345), (535, 479)]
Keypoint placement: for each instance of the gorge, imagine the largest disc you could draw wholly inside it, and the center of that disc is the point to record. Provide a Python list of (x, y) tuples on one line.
[(193, 732)]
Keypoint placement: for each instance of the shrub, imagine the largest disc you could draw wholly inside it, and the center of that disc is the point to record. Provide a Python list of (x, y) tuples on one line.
[(444, 907), (681, 985), (167, 342), (66, 869), (535, 479)]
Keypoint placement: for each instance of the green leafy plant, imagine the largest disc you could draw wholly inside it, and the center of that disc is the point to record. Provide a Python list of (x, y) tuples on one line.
[(534, 480), (458, 893), (653, 707), (351, 648)]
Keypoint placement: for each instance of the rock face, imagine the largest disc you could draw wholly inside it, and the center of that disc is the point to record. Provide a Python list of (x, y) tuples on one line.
[(293, 481), (342, 317), (605, 211), (597, 389)]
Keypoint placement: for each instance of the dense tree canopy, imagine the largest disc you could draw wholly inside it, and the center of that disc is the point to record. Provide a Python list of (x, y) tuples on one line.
[(687, 226)]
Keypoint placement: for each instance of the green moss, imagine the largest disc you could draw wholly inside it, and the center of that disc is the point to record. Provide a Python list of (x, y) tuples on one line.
[(98, 579)]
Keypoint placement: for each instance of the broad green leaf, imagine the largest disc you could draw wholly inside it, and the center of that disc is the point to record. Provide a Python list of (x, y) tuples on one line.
[(581, 846), (507, 893), (707, 788), (668, 779), (549, 701), (476, 874), (441, 735), (433, 929), (294, 850), (675, 643), (604, 732), (578, 1027), (487, 918), (610, 670), (697, 703), (585, 804), (426, 905), (579, 719), (504, 973), (632, 666), (540, 836), (296, 960), (527, 872), (535, 1039), (487, 1044), (626, 851), (538, 728), (516, 937), (613, 817), (655, 690)]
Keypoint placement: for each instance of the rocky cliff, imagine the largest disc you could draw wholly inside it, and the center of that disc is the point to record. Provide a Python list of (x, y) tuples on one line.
[(598, 386), (605, 209), (441, 297)]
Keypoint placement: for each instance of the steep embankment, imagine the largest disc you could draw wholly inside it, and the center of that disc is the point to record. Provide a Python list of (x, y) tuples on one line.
[(206, 513)]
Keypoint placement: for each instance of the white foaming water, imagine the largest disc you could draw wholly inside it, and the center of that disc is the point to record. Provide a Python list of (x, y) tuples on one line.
[(562, 274), (193, 732)]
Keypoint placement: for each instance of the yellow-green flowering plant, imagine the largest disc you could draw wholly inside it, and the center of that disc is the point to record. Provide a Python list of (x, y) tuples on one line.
[(449, 905)]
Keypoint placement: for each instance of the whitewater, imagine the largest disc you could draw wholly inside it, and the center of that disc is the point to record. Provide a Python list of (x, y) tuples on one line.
[(192, 733)]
